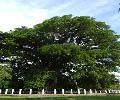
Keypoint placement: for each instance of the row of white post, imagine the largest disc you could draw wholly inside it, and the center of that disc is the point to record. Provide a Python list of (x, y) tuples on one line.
[(63, 91), (43, 91)]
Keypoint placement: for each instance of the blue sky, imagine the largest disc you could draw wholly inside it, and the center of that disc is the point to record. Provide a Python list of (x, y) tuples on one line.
[(17, 13)]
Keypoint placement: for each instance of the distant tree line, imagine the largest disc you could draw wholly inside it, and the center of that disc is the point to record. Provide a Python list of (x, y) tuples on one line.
[(62, 52)]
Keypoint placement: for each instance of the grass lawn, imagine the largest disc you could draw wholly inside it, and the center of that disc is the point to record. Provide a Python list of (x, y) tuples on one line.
[(61, 98)]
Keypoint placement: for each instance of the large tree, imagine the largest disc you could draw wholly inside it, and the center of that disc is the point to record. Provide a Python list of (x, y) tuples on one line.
[(69, 52), (99, 46)]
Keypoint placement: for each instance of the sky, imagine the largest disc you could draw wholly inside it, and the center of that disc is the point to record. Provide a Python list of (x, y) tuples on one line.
[(17, 13)]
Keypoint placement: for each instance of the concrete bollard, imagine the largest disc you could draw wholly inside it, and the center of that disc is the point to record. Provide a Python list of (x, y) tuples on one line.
[(6, 91), (95, 91), (118, 91), (54, 91), (109, 91), (30, 91), (78, 91), (90, 91), (43, 91), (20, 91), (105, 91), (63, 92), (85, 91), (12, 91), (71, 91), (0, 91)]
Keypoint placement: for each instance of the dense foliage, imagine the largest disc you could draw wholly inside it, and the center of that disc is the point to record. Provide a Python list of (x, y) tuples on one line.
[(62, 52)]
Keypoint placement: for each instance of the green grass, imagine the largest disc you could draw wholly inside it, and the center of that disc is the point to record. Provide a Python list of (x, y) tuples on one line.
[(61, 98)]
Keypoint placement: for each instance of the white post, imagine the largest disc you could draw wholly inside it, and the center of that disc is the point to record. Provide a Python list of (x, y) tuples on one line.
[(54, 91), (71, 91), (100, 92), (12, 91), (118, 91), (90, 91), (20, 90), (78, 91), (30, 91), (108, 91), (63, 91), (84, 91), (6, 91), (43, 91), (0, 91), (95, 91), (105, 91)]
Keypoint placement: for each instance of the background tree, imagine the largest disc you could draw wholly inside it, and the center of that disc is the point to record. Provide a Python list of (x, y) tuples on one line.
[(5, 70), (5, 76)]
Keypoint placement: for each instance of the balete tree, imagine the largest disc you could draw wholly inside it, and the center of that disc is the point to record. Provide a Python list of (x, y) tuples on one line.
[(64, 52)]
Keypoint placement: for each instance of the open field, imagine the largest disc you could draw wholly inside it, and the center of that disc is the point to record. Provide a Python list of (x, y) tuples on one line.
[(108, 97)]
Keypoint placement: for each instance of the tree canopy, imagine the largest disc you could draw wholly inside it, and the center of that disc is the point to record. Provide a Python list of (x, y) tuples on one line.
[(62, 52)]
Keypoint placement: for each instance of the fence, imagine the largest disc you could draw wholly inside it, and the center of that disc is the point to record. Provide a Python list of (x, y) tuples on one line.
[(55, 91)]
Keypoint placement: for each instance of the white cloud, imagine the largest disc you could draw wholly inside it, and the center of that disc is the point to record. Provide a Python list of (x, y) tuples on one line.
[(92, 8), (61, 7), (38, 15), (114, 21), (17, 13), (115, 17), (13, 15), (96, 7), (12, 20)]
